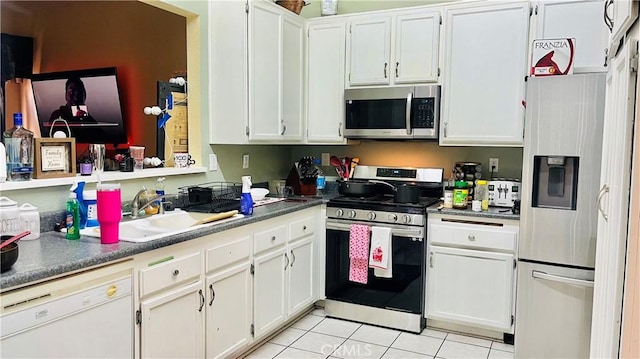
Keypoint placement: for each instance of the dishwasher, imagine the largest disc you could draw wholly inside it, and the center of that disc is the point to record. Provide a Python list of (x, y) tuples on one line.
[(86, 315)]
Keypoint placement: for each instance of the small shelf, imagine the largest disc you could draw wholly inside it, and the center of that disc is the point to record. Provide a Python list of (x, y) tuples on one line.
[(105, 176)]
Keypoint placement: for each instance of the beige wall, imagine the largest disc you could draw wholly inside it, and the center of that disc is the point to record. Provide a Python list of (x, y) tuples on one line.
[(313, 9)]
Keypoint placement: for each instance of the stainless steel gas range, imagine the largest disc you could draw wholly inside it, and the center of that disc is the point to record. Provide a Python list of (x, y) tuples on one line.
[(396, 301)]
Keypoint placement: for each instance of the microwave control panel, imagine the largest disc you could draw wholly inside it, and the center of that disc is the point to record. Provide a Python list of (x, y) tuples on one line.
[(423, 112)]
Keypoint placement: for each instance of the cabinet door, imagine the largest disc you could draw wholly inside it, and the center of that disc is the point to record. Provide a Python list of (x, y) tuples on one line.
[(269, 310), (613, 201), (228, 72), (470, 287), (301, 275), (485, 54), (581, 20), (624, 14), (325, 82), (265, 72), (369, 51), (173, 324), (416, 48), (228, 310), (292, 80)]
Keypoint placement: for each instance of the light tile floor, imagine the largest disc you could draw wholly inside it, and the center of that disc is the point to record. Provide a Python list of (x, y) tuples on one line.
[(315, 336)]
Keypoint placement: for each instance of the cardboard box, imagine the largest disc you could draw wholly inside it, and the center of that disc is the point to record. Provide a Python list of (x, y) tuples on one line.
[(552, 57)]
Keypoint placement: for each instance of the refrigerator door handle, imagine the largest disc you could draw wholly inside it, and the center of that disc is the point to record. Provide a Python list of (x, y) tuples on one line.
[(604, 190), (556, 278)]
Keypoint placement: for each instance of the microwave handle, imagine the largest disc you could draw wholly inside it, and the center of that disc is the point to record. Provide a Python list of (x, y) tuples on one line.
[(408, 112)]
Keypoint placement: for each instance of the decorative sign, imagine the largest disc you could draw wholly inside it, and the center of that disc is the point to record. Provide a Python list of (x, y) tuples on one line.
[(551, 57), (54, 157)]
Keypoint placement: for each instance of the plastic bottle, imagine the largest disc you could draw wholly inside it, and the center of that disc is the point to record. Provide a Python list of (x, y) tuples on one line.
[(320, 179), (482, 194), (18, 143), (73, 217), (160, 190), (460, 193), (246, 202)]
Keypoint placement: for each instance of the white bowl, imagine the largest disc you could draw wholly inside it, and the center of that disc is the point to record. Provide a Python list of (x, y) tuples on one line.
[(258, 193)]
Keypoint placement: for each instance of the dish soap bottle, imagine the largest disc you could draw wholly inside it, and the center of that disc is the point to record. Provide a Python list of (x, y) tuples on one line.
[(73, 217), (246, 202), (160, 191), (18, 142)]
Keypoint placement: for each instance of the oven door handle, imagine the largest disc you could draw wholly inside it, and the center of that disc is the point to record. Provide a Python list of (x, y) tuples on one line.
[(410, 233)]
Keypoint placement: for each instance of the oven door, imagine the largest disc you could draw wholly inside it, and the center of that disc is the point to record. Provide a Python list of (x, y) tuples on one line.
[(403, 292)]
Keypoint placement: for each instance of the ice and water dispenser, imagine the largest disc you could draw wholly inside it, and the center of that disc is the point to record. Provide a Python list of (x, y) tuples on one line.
[(555, 182)]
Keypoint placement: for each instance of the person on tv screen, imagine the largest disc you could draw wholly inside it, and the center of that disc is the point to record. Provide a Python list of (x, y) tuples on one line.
[(75, 109)]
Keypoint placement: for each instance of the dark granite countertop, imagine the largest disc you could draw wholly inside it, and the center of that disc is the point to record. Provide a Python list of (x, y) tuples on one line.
[(52, 255), (493, 212)]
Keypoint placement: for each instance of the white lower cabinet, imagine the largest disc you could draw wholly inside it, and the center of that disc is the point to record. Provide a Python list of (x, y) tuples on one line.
[(471, 272), (171, 315), (216, 295)]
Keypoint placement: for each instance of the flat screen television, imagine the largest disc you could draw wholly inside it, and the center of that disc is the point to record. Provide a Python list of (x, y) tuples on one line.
[(89, 100)]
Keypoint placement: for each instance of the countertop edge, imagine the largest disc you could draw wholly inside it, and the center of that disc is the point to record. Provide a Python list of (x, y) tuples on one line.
[(492, 213)]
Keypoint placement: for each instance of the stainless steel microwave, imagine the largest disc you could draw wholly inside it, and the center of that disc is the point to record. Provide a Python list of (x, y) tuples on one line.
[(410, 112)]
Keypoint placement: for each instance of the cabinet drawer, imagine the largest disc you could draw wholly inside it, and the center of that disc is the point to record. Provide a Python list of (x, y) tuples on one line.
[(477, 235), (171, 273), (271, 238), (301, 228), (223, 255)]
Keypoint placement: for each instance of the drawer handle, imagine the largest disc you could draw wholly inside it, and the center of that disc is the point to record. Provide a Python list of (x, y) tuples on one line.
[(201, 300), (273, 238), (471, 237), (304, 228), (176, 272), (213, 294)]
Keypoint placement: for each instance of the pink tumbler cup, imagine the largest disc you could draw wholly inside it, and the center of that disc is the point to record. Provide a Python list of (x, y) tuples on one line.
[(109, 212)]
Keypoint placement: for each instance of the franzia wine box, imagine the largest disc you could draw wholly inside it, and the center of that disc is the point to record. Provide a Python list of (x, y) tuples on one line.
[(551, 57)]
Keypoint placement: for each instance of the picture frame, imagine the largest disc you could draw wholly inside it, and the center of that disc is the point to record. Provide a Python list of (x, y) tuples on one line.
[(54, 157)]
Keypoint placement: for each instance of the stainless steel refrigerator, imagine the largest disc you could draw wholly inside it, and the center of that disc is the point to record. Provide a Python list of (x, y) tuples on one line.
[(556, 250)]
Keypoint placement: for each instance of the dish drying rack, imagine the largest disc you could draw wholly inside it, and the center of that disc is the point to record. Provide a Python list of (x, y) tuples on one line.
[(212, 197)]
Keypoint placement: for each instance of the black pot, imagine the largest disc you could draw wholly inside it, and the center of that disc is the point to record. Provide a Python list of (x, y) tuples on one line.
[(8, 254), (406, 193)]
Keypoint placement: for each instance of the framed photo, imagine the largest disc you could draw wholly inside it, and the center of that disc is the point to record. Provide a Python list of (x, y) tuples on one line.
[(54, 157)]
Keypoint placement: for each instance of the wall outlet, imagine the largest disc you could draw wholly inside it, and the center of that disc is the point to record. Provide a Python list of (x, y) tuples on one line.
[(213, 162), (245, 161), (326, 159), (493, 165)]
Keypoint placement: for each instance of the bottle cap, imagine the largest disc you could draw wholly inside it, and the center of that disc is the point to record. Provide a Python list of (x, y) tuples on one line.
[(481, 182), (17, 119), (73, 195)]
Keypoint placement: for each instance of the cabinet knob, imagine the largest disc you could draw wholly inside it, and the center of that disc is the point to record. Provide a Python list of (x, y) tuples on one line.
[(471, 237), (176, 272), (304, 228), (273, 238)]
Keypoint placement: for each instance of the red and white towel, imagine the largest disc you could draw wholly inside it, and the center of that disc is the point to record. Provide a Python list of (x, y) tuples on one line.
[(358, 253), (380, 255)]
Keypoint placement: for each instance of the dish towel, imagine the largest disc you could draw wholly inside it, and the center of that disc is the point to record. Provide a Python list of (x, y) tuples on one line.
[(380, 256), (358, 253)]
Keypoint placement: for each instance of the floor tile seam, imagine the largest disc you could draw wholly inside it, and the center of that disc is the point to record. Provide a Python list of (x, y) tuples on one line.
[(305, 350), (290, 345), (498, 350), (414, 352), (337, 336), (481, 346), (502, 344)]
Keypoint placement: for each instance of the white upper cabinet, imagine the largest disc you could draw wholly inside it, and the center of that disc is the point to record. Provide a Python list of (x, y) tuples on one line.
[(325, 81), (485, 56), (416, 47), (621, 14), (275, 72), (578, 19), (395, 48), (369, 46), (228, 72)]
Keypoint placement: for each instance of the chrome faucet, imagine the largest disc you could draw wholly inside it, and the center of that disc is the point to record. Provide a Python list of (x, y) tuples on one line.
[(135, 203)]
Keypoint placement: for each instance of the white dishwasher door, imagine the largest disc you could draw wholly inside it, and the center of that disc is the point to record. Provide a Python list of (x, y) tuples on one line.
[(86, 322)]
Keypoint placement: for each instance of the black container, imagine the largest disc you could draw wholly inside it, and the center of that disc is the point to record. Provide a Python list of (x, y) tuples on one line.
[(127, 165), (8, 255)]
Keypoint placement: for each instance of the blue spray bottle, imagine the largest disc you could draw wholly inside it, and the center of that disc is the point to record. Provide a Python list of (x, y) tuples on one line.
[(246, 202)]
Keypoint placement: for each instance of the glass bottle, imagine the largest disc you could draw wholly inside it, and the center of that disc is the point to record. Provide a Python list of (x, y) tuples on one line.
[(18, 142)]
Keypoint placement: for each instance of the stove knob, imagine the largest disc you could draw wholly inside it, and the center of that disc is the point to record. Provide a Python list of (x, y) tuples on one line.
[(372, 216), (352, 214), (339, 213), (393, 217), (406, 219)]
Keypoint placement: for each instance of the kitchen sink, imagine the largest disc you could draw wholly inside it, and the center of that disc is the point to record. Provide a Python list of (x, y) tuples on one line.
[(158, 226)]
